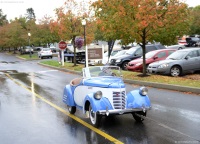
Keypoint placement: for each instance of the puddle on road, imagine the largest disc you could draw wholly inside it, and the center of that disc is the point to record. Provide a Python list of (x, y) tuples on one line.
[(4, 62), (12, 62), (8, 71), (29, 80)]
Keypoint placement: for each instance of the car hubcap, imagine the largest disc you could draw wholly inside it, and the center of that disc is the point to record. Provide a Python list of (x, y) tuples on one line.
[(69, 108), (175, 72)]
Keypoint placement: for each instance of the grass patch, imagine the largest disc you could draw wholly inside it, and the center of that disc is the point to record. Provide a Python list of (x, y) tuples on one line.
[(135, 75), (28, 56)]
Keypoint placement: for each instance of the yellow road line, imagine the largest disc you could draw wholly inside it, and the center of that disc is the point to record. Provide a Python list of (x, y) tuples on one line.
[(110, 138)]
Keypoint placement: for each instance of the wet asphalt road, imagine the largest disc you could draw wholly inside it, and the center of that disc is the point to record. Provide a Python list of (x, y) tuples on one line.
[(29, 118)]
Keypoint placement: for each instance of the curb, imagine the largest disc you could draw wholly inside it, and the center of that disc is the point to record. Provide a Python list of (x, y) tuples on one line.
[(142, 83), (164, 86)]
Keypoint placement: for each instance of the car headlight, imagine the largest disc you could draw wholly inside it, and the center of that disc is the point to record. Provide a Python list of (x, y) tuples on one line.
[(98, 95), (138, 64), (163, 66), (118, 60), (143, 91)]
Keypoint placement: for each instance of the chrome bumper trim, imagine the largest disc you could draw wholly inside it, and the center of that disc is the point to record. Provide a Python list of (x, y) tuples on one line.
[(122, 111)]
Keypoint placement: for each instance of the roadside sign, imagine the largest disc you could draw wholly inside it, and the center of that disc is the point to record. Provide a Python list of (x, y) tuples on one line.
[(95, 53), (62, 45)]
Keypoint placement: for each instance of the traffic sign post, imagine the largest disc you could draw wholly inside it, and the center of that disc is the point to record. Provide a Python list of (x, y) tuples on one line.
[(62, 45)]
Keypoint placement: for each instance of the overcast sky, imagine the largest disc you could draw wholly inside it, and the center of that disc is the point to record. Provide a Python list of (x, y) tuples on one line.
[(16, 8)]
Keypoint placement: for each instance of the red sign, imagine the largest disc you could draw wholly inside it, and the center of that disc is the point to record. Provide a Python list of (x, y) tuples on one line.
[(62, 45)]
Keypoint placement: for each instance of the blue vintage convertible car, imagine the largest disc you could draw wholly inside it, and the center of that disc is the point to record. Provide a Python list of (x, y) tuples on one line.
[(102, 92)]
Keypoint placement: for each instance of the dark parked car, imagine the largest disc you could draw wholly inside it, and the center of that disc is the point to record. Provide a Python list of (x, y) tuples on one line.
[(26, 50), (178, 63), (133, 53), (192, 41)]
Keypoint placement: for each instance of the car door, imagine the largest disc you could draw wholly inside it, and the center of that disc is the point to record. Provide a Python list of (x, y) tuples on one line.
[(160, 56), (191, 61), (198, 60)]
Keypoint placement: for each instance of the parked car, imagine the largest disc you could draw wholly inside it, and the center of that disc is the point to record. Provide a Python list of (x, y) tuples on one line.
[(182, 42), (152, 56), (178, 63), (192, 41), (121, 52), (45, 52), (26, 50), (102, 92), (37, 48), (133, 53), (105, 56), (176, 47), (53, 49)]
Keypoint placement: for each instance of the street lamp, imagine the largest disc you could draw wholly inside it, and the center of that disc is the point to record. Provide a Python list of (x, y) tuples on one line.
[(84, 24), (29, 36)]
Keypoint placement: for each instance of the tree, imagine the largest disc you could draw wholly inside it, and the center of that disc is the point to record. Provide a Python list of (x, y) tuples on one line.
[(143, 20), (30, 15), (68, 23), (195, 21), (43, 35), (3, 19), (16, 36)]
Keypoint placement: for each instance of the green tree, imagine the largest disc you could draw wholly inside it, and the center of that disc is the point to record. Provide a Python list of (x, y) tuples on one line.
[(43, 35), (15, 35), (30, 14), (143, 20), (195, 21), (3, 19)]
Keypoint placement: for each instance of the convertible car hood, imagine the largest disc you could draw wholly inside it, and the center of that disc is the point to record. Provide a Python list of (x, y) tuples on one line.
[(107, 82)]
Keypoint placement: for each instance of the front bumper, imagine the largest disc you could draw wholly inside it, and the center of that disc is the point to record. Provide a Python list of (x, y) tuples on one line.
[(46, 55), (135, 68), (153, 70), (122, 111)]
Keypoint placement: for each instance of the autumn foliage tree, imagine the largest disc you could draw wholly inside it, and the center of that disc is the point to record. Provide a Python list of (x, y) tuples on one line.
[(68, 23), (143, 20)]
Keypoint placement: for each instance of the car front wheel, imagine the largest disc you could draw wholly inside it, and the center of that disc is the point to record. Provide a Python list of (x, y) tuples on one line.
[(138, 116), (124, 65), (175, 71), (71, 109), (94, 117)]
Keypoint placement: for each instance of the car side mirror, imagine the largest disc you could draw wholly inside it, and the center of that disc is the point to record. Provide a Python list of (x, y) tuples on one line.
[(155, 57)]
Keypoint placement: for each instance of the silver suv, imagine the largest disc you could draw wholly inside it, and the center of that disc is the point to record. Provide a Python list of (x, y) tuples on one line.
[(178, 63)]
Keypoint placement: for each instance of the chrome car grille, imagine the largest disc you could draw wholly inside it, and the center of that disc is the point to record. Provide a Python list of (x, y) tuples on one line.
[(119, 100)]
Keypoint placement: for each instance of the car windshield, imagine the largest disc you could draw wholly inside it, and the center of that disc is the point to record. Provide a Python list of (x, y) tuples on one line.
[(131, 51), (177, 55), (150, 54), (99, 71), (113, 53), (120, 53)]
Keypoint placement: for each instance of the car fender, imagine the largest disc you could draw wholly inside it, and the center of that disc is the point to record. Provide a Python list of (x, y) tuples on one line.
[(136, 100), (68, 97), (97, 105)]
